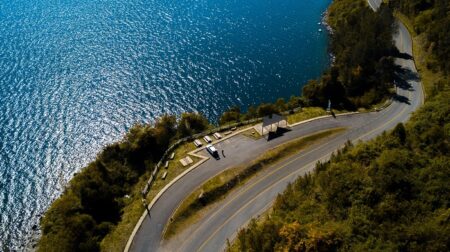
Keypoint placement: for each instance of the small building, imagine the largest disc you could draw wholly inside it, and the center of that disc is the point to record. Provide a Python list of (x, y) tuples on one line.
[(271, 123)]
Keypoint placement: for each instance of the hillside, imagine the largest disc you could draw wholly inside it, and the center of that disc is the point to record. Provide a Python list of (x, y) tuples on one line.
[(362, 71), (389, 194), (94, 202)]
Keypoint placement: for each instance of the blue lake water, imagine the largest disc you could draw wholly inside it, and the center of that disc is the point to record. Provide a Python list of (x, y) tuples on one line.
[(76, 74)]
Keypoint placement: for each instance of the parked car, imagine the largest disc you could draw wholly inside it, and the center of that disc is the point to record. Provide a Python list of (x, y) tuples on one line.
[(213, 151), (217, 135), (207, 139), (197, 143)]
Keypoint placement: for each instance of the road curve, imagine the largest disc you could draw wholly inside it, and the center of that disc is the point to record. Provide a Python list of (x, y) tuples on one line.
[(257, 195), (374, 4)]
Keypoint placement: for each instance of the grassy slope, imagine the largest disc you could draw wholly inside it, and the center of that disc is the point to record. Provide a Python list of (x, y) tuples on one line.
[(422, 57), (306, 218), (390, 194), (118, 237), (221, 185)]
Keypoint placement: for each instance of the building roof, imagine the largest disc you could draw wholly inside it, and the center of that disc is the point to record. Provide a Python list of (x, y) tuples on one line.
[(272, 119)]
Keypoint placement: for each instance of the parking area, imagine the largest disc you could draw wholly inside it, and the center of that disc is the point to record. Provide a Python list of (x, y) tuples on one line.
[(241, 148)]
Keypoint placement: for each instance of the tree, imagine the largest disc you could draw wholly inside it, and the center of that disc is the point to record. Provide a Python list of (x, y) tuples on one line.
[(266, 109), (400, 132), (191, 123), (251, 113), (232, 115), (362, 72)]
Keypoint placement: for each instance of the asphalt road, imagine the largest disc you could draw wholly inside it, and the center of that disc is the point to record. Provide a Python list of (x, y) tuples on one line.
[(222, 222), (374, 4)]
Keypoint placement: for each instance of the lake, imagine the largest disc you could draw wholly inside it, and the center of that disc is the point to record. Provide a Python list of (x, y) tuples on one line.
[(75, 75)]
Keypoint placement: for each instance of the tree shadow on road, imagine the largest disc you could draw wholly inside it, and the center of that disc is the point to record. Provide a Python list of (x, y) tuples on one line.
[(400, 55), (403, 77), (401, 98)]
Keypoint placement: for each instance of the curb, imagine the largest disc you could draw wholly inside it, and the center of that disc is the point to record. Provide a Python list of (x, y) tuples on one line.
[(203, 159), (156, 198)]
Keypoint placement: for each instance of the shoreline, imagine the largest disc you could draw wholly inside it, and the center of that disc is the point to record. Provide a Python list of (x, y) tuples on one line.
[(330, 27), (75, 167)]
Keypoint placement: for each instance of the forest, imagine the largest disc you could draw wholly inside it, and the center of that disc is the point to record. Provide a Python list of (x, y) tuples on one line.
[(92, 202), (362, 72), (431, 18), (389, 194)]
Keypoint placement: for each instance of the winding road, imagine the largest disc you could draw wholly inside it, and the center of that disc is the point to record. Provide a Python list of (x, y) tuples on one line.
[(224, 219)]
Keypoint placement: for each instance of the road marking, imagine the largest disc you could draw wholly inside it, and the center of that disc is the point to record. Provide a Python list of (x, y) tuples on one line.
[(388, 122), (276, 182), (254, 198), (229, 219), (262, 210), (251, 185)]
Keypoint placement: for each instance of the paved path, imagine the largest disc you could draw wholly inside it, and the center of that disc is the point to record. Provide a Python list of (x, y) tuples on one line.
[(374, 4), (225, 219)]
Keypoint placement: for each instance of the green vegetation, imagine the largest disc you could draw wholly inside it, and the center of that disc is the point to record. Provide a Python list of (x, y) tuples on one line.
[(103, 200), (432, 19), (305, 114), (433, 71), (221, 185), (252, 133), (234, 114), (363, 69), (391, 194), (118, 236), (293, 108), (95, 198)]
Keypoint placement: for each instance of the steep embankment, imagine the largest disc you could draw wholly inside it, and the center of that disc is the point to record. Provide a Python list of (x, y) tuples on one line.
[(390, 194), (211, 232)]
